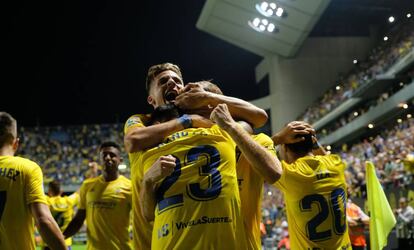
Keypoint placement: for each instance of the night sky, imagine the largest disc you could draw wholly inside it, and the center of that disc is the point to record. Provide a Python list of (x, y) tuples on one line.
[(83, 62)]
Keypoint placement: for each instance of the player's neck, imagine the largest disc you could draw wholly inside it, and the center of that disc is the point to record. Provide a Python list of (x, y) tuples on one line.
[(110, 176), (7, 150)]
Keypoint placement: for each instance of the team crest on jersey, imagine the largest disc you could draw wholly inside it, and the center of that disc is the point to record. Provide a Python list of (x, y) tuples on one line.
[(132, 121)]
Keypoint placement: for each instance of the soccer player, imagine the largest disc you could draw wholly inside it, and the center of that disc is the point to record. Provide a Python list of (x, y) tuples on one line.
[(61, 207), (164, 83), (314, 189), (21, 196), (105, 202), (208, 208)]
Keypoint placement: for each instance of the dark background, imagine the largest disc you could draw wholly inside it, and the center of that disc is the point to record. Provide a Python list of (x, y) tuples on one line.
[(82, 62)]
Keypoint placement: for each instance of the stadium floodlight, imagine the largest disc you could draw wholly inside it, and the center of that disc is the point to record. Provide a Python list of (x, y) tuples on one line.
[(385, 38), (405, 106), (338, 87), (279, 12), (122, 166), (270, 9), (328, 147), (355, 61), (391, 19), (263, 24), (370, 126), (269, 193), (401, 84), (356, 113), (271, 27), (399, 120), (409, 116), (408, 15)]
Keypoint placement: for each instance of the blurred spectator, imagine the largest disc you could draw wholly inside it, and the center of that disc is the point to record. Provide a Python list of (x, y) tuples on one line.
[(405, 220), (357, 221)]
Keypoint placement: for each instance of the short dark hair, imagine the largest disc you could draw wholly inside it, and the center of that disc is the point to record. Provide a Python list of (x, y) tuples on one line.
[(54, 186), (302, 147), (109, 144), (157, 69), (165, 113), (7, 127)]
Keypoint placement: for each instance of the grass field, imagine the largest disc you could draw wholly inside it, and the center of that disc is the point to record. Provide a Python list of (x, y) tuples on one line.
[(74, 247)]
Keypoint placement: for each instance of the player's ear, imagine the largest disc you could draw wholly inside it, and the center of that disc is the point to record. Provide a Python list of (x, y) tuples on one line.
[(150, 100), (16, 143)]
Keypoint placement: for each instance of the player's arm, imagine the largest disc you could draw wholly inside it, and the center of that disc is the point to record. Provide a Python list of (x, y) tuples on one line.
[(47, 226), (141, 138), (195, 97), (289, 134), (163, 167), (260, 159), (75, 224)]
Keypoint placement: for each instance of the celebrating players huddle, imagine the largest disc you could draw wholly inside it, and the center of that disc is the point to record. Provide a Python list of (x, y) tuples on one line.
[(197, 175)]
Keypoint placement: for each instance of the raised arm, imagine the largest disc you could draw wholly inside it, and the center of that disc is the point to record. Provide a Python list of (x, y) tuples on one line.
[(75, 224), (289, 134), (141, 138), (47, 226), (260, 159), (163, 167), (194, 97)]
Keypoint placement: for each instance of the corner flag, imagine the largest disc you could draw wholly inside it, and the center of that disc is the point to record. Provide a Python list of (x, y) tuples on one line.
[(382, 219)]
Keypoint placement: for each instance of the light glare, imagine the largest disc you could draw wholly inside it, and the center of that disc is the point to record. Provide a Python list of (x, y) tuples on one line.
[(256, 22), (391, 19), (385, 38), (265, 22), (273, 6), (355, 113), (408, 15), (264, 6), (370, 125), (279, 12), (262, 27), (271, 27)]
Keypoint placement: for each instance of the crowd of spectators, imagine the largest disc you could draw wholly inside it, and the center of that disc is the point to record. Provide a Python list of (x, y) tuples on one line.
[(361, 109), (400, 42), (64, 153)]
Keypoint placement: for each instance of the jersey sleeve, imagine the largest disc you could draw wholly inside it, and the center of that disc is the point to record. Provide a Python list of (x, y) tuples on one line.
[(34, 187), (82, 196), (282, 183), (135, 121), (73, 199)]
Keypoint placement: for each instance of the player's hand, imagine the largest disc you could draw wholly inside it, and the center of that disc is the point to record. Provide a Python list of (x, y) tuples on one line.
[(162, 167), (200, 121), (93, 169), (221, 115), (289, 133), (352, 222), (193, 96)]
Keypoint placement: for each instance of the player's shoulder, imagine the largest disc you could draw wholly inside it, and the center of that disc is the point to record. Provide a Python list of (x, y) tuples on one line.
[(25, 164), (137, 119), (262, 138), (125, 180), (91, 181), (331, 159)]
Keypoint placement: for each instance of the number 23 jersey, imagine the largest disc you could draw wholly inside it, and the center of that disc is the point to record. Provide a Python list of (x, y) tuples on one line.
[(314, 188), (198, 205)]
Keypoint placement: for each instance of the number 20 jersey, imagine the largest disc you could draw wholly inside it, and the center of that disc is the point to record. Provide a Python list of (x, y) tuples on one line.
[(314, 189), (198, 205)]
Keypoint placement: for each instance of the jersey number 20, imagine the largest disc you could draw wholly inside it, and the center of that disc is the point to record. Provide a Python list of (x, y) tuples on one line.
[(336, 199), (194, 190)]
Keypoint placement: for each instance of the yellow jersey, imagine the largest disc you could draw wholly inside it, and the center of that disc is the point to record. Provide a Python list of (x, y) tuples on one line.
[(62, 208), (21, 183), (198, 205), (251, 189), (141, 229), (108, 206), (314, 188)]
